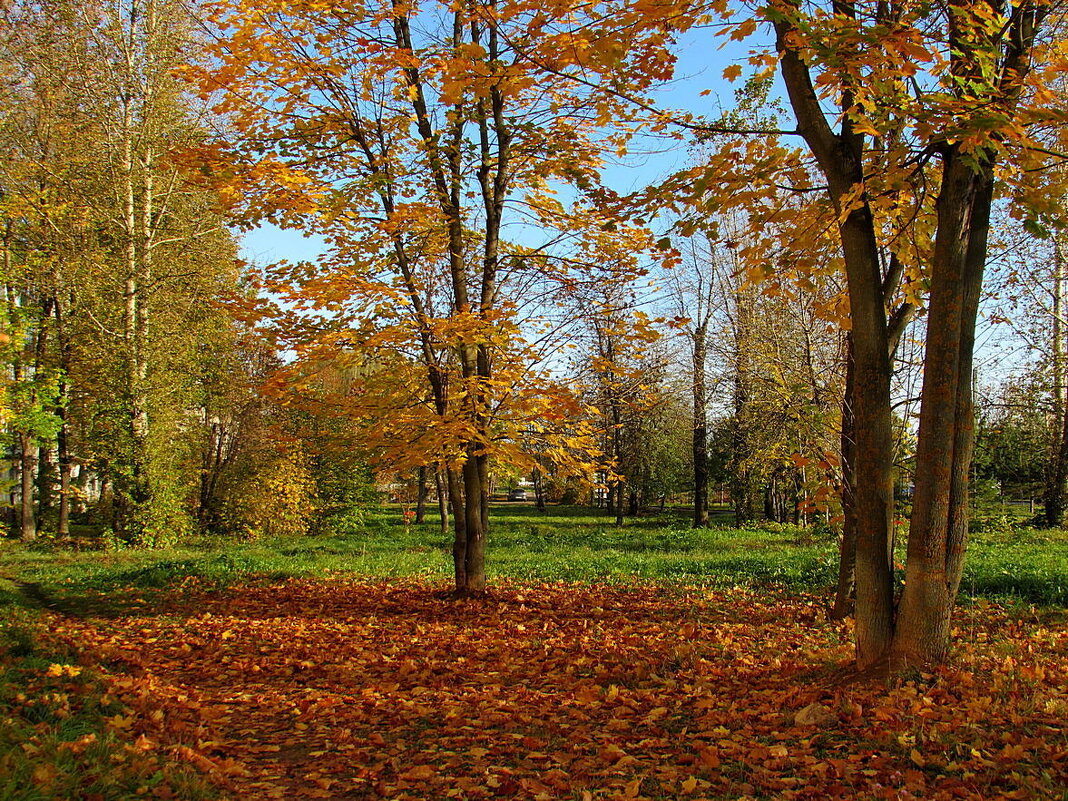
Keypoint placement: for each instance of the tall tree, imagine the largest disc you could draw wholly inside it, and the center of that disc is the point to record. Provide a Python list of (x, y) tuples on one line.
[(409, 135)]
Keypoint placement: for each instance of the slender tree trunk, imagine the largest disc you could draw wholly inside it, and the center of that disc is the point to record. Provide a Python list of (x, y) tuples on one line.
[(843, 596), (443, 501), (539, 489), (45, 467), (1057, 473), (62, 442), (741, 485), (63, 457), (454, 484), (421, 491), (700, 431), (27, 460)]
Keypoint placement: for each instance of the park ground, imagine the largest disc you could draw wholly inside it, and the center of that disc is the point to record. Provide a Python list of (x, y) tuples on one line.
[(648, 662)]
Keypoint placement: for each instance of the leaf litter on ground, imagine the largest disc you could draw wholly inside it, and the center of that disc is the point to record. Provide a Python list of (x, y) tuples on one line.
[(355, 689)]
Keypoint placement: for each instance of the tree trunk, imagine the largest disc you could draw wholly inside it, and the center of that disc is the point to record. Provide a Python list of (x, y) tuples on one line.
[(443, 501), (700, 432), (939, 525), (1057, 472), (476, 522), (27, 459), (847, 559), (63, 456), (459, 523), (421, 491), (539, 489)]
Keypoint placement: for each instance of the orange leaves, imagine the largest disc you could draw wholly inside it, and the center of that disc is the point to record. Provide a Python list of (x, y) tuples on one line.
[(732, 72), (557, 691)]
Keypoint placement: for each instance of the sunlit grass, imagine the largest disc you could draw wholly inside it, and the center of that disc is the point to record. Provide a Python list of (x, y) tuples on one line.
[(563, 543)]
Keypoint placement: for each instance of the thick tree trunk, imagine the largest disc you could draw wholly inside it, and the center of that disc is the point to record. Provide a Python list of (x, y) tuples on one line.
[(939, 525), (874, 442), (700, 432), (476, 522)]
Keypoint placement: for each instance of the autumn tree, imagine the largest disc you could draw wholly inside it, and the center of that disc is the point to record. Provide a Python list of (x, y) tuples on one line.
[(909, 115), (410, 137)]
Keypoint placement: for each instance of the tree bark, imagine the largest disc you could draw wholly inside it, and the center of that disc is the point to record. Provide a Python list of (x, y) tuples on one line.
[(939, 525), (539, 489), (476, 520), (1057, 472), (840, 158), (700, 431), (459, 523), (27, 461), (421, 492), (443, 501), (847, 560)]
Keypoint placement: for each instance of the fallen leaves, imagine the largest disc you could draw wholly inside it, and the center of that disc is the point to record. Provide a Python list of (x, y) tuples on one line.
[(340, 689)]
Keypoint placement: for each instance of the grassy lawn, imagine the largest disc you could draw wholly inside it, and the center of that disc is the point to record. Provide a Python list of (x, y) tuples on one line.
[(569, 544)]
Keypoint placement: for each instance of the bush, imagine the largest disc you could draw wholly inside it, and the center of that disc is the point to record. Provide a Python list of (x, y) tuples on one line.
[(274, 494)]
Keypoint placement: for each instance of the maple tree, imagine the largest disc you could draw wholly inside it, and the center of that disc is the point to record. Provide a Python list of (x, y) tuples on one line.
[(913, 118), (983, 60), (409, 137)]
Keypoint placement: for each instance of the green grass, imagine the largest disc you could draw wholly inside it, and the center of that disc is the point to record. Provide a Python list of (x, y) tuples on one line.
[(571, 544)]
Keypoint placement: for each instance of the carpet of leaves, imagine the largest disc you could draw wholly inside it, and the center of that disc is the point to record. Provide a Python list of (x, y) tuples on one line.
[(349, 689)]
